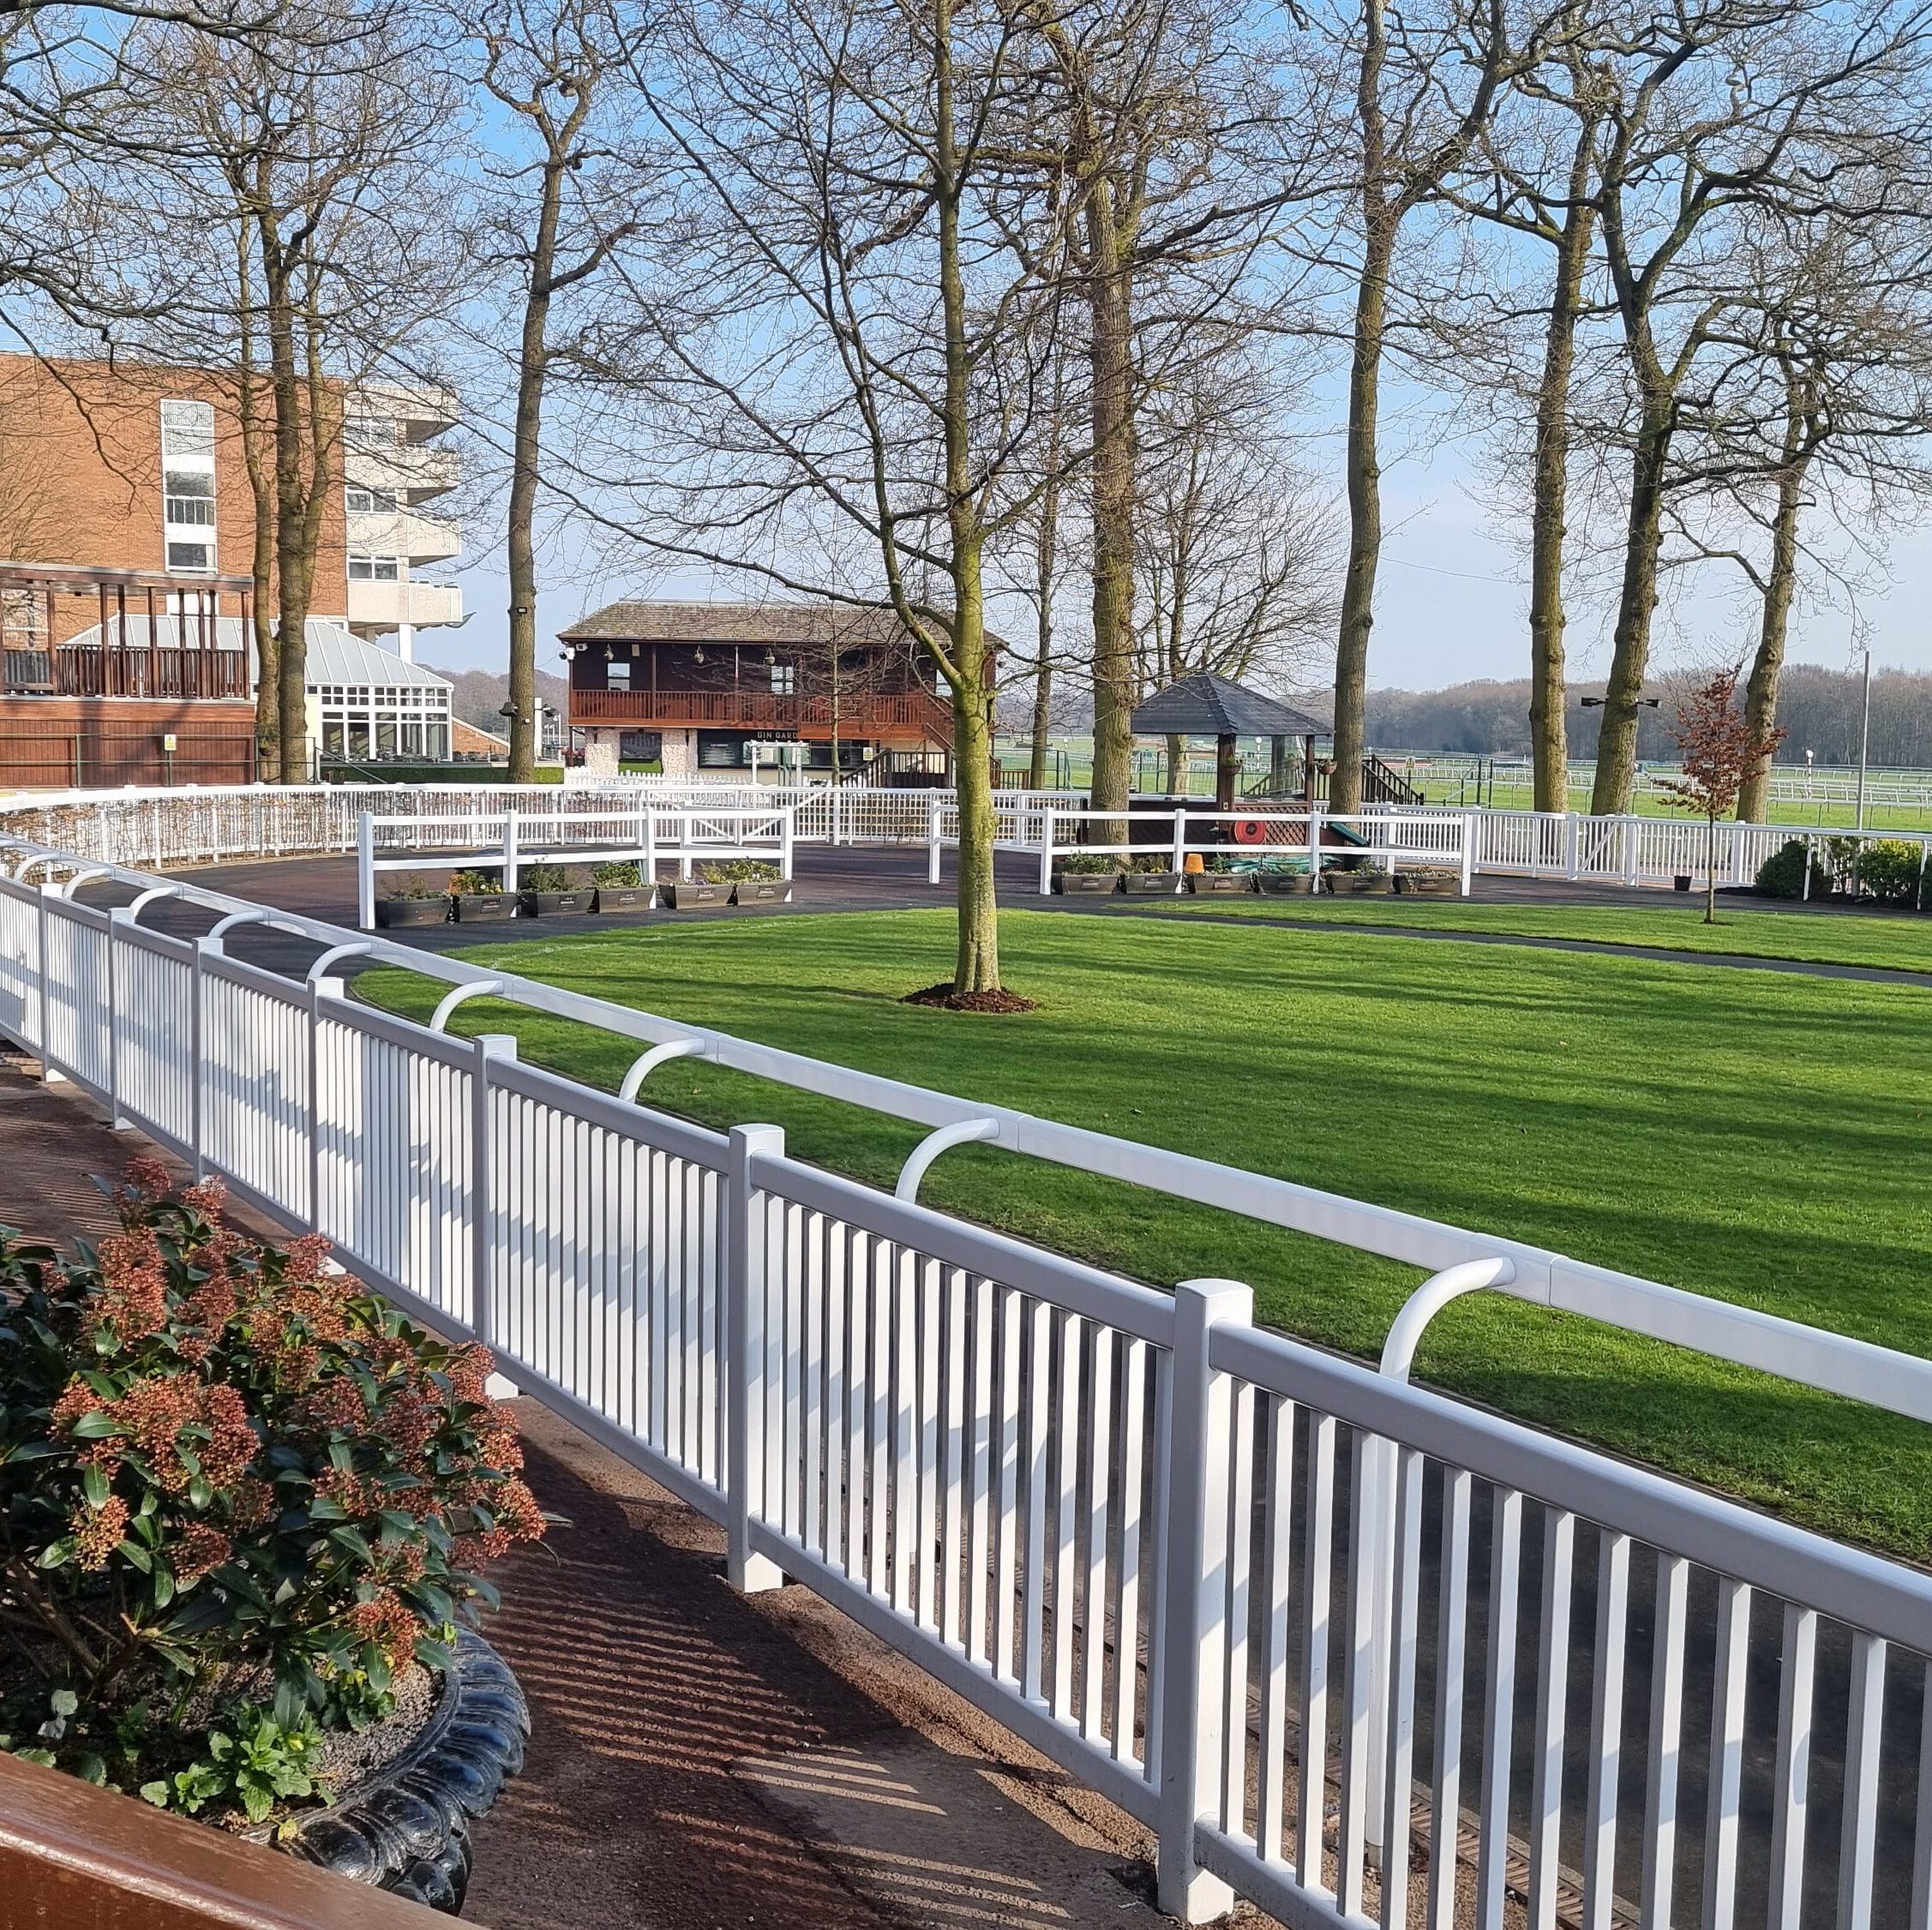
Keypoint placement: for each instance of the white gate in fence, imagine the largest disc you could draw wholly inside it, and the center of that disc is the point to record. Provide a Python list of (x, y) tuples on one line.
[(1322, 1631)]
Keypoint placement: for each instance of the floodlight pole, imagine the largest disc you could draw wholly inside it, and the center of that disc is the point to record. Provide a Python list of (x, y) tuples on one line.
[(1864, 739)]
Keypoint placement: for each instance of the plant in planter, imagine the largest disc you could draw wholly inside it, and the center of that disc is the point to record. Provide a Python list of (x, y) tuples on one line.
[(753, 880), (1086, 871), (1353, 877), (695, 894), (478, 895), (243, 1501), (1149, 874), (1219, 876), (408, 899), (1430, 881), (546, 889), (621, 887)]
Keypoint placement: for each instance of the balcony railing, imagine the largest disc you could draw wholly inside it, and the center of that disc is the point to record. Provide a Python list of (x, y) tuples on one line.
[(119, 670), (763, 710), (422, 604)]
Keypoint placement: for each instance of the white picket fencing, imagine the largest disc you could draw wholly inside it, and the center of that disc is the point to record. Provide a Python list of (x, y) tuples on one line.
[(1315, 1629)]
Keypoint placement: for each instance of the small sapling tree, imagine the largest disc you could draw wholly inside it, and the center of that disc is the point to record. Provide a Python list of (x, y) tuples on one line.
[(1718, 748)]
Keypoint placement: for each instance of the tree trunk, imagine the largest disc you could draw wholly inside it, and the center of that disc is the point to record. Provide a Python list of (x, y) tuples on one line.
[(1711, 870), (1363, 467), (1616, 745), (532, 367), (291, 579), (1043, 591), (1037, 776), (1761, 691), (1177, 766), (1548, 724), (261, 561), (1111, 353)]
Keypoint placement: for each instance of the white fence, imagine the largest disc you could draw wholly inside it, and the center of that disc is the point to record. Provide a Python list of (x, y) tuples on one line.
[(1312, 1626), (1386, 840), (644, 834)]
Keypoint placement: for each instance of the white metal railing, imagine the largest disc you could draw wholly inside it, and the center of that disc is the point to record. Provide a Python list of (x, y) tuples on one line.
[(1386, 840), (1191, 1563), (645, 833)]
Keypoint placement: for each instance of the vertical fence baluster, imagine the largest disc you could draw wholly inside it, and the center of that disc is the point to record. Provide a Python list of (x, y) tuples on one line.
[(1316, 1559), (1238, 1446), (1552, 1689), (1360, 1772), (1858, 1847), (1271, 1794), (745, 1310), (1127, 1571), (1666, 1742), (1790, 1802), (1505, 1569), (1400, 1770), (1100, 1458), (1452, 1629), (1606, 1730)]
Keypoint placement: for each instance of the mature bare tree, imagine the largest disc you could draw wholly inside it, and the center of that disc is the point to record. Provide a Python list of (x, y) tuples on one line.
[(1426, 83), (850, 329), (554, 210), (1686, 152)]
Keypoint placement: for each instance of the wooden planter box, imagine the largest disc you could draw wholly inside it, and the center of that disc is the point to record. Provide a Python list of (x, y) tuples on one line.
[(1220, 884), (552, 904), (1281, 885), (622, 898), (393, 912), (1411, 886), (1358, 884), (1075, 882), (760, 891), (481, 908), (696, 897), (1148, 884)]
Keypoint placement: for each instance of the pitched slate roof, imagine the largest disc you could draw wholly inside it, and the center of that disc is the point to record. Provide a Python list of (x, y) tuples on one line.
[(777, 621), (1207, 705)]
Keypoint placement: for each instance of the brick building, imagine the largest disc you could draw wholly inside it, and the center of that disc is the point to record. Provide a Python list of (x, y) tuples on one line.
[(127, 537)]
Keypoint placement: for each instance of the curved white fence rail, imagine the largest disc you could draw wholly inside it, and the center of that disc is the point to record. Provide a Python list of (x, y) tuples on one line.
[(1326, 1633)]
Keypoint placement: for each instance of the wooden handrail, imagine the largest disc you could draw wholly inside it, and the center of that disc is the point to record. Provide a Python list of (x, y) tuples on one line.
[(80, 1858), (916, 709)]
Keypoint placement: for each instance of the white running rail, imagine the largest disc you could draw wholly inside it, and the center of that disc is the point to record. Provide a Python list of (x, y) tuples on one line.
[(1149, 1537)]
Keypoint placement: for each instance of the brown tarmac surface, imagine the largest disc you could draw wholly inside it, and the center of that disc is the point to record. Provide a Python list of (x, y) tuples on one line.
[(700, 1760)]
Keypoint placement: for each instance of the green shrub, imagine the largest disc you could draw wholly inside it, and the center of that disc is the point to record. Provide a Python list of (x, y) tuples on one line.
[(543, 877), (1152, 861), (624, 875), (410, 885), (738, 871), (1782, 874), (477, 885), (234, 1480), (1889, 869), (1087, 861)]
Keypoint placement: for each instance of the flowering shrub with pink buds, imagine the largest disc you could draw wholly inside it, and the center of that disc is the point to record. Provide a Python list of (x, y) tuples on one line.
[(227, 1471)]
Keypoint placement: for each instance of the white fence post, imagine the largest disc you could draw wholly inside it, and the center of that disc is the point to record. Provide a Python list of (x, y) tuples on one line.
[(785, 849), (1573, 841), (1180, 843), (488, 1046), (49, 894), (1470, 832), (1315, 816), (365, 872), (745, 1306), (1193, 1594), (1046, 832), (933, 841), (510, 856)]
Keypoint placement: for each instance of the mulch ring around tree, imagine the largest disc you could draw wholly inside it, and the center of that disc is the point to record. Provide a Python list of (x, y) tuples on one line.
[(943, 997)]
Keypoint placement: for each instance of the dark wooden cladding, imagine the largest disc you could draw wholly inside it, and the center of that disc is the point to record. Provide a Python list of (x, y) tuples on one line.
[(73, 1857), (58, 743), (857, 714)]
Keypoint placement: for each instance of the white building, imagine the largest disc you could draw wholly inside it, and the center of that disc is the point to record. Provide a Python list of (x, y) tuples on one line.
[(370, 705), (392, 463)]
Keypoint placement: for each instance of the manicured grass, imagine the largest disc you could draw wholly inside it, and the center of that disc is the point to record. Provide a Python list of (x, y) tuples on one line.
[(1899, 939), (1758, 1137)]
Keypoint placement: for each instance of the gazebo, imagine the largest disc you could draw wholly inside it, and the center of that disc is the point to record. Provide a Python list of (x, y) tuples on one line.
[(1208, 705)]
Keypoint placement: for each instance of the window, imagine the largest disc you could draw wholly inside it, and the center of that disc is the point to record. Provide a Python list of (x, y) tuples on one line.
[(784, 680), (366, 568), (721, 750), (362, 502), (188, 484)]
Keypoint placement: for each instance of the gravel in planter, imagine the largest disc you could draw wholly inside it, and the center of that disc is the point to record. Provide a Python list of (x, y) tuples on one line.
[(405, 1824)]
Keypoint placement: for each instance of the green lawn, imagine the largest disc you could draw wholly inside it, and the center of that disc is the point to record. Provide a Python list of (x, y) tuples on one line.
[(1902, 940), (1758, 1137)]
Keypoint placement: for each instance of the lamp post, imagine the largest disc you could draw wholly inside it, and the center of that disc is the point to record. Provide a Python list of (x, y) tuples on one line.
[(1864, 739)]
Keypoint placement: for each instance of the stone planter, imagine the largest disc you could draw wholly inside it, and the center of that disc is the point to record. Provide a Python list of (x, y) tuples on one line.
[(1074, 883), (1357, 884), (481, 907), (1220, 884), (760, 891), (696, 897), (393, 913), (1141, 884), (406, 1828), (552, 904), (623, 898)]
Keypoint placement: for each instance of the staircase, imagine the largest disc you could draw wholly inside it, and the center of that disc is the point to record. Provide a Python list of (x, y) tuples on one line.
[(1381, 784)]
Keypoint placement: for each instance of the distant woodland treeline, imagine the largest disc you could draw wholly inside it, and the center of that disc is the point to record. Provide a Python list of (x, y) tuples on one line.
[(1818, 708)]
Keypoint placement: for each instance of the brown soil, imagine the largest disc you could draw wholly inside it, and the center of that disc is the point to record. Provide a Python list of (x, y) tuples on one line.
[(948, 1000)]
